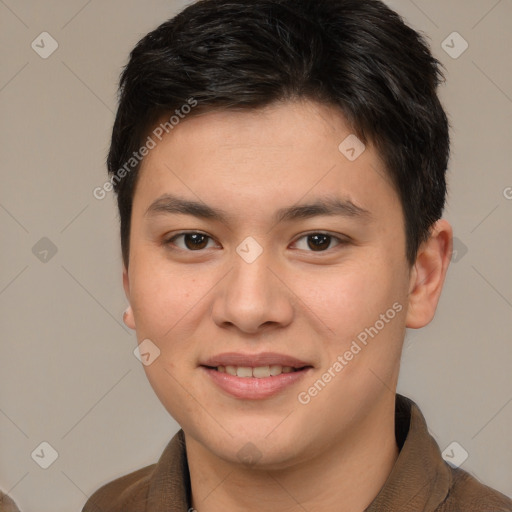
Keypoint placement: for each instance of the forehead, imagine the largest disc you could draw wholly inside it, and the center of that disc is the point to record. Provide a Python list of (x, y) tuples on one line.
[(272, 156)]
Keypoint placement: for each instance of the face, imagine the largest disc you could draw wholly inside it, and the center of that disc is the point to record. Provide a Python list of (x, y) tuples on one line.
[(258, 248)]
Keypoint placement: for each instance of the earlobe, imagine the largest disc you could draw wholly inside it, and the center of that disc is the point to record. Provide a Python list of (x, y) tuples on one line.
[(428, 275), (128, 316)]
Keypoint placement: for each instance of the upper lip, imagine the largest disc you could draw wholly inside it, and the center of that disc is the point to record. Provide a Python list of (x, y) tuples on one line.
[(254, 360)]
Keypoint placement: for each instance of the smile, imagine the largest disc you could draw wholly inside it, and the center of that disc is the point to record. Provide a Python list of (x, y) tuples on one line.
[(254, 383), (258, 372)]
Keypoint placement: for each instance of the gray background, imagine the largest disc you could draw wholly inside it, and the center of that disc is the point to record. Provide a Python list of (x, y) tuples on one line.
[(68, 374)]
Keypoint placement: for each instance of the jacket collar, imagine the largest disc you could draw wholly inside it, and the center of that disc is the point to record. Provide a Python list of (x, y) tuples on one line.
[(170, 482), (419, 480)]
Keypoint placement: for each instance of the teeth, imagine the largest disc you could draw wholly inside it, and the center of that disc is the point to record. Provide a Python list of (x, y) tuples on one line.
[(276, 369), (261, 371), (258, 372), (244, 371), (231, 370)]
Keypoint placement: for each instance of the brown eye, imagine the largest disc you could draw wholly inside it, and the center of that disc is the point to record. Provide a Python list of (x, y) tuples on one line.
[(318, 242), (195, 241), (190, 241)]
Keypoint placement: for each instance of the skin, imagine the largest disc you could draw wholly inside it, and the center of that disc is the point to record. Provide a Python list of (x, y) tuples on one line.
[(335, 452)]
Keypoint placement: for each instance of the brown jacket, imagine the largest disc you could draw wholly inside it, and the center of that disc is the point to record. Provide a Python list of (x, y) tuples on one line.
[(421, 481)]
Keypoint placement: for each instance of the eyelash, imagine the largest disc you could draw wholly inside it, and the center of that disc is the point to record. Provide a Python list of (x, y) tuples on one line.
[(340, 241)]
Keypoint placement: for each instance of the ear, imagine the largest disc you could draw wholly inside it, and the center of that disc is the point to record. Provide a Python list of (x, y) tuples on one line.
[(428, 275), (128, 316)]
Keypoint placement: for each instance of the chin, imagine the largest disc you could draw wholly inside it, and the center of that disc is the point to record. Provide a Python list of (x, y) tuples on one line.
[(253, 455), (259, 445)]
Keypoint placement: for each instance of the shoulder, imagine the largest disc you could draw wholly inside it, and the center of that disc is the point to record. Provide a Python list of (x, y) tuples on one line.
[(165, 483), (467, 493), (7, 504), (129, 490)]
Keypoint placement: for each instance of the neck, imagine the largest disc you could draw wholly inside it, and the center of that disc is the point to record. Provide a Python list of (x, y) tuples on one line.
[(346, 477)]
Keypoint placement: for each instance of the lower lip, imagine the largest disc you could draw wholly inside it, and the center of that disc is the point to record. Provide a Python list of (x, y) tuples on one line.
[(251, 388)]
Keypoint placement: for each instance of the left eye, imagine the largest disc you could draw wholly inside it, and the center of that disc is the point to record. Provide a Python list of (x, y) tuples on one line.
[(317, 242), (191, 241)]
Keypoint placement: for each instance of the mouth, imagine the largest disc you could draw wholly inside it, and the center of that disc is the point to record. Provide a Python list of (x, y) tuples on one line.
[(257, 372), (254, 377)]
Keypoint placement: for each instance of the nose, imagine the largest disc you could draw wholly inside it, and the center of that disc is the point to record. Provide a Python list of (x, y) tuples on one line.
[(253, 297)]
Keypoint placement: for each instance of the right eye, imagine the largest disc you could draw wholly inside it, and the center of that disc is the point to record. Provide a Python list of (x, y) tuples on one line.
[(190, 241)]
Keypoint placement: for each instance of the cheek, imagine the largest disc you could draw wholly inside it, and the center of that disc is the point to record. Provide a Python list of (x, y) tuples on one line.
[(165, 301), (349, 298), (363, 304), (364, 308), (168, 306)]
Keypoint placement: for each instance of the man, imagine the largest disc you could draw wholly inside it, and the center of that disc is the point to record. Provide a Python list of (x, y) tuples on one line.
[(280, 171)]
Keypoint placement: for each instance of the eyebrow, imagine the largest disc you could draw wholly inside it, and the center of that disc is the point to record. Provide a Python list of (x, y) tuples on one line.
[(328, 206)]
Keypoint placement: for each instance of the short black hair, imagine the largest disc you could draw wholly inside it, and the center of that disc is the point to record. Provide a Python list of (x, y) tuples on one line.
[(356, 55)]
